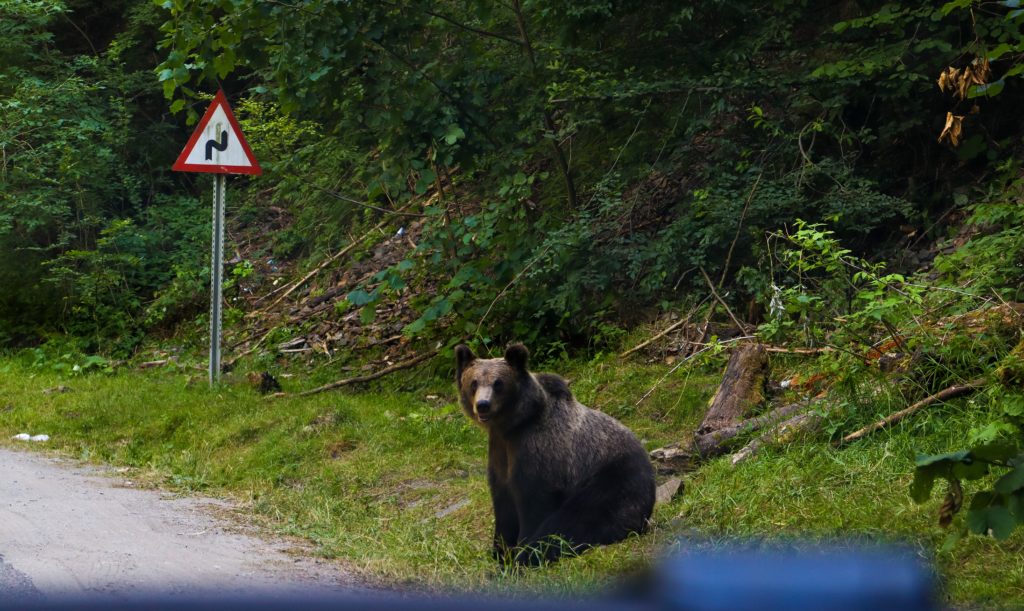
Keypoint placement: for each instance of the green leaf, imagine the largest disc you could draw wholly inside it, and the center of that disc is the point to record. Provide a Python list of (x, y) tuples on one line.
[(925, 460), (934, 466), (949, 7), (987, 90), (921, 487), (999, 51), (1011, 482), (989, 514), (426, 179), (453, 134), (359, 297), (996, 451), (415, 326), (367, 314), (954, 537)]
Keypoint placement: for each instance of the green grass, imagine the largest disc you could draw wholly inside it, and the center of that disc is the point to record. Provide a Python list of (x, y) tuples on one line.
[(365, 473)]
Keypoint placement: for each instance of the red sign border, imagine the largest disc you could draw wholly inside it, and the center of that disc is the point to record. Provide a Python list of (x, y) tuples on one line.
[(181, 166)]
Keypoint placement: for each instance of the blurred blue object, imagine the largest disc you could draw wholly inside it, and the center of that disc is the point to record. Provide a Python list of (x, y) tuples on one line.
[(837, 578), (702, 577)]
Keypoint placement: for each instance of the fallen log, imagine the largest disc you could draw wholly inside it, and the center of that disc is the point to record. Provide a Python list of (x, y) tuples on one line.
[(946, 393), (674, 459), (741, 389), (716, 442), (784, 432)]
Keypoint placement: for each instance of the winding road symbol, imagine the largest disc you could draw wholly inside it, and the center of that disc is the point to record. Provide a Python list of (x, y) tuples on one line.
[(213, 144), (217, 145)]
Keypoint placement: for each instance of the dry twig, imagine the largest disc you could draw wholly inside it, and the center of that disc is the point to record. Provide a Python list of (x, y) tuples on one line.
[(665, 332), (372, 376), (719, 299), (946, 393)]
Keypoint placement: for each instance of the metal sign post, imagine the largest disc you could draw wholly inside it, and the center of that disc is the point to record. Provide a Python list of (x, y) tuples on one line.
[(217, 146), (216, 276)]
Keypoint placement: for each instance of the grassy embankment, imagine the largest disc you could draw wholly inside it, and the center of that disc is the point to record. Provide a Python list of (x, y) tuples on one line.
[(391, 479)]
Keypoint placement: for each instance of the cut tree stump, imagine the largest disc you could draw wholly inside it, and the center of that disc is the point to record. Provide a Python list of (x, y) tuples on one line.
[(742, 388)]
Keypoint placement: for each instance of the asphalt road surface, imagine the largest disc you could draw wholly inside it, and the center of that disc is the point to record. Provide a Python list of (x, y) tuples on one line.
[(70, 531)]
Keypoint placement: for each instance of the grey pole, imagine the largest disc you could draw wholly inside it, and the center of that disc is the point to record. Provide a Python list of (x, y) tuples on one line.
[(216, 277)]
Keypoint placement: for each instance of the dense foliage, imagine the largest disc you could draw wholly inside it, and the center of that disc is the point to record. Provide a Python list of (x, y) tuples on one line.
[(592, 158), (90, 226), (610, 151)]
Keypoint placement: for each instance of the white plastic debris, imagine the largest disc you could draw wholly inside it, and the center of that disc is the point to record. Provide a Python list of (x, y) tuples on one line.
[(22, 437), (39, 438)]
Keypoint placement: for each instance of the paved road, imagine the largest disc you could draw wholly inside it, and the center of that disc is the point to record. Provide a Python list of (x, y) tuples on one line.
[(73, 531)]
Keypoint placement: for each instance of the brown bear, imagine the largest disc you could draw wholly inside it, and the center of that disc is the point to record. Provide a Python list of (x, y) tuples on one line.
[(563, 477)]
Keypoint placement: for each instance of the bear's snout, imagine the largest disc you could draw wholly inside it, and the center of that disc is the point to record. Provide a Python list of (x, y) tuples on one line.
[(483, 407), (482, 404)]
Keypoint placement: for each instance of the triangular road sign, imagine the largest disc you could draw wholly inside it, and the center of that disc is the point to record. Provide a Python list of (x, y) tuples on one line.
[(218, 146)]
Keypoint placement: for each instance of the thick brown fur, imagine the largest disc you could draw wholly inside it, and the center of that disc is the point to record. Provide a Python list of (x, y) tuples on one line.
[(563, 477)]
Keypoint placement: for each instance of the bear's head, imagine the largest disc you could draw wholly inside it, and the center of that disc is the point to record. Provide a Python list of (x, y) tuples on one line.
[(490, 389)]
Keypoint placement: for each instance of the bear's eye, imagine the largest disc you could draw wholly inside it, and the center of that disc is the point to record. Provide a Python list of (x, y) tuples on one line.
[(497, 385), (472, 386)]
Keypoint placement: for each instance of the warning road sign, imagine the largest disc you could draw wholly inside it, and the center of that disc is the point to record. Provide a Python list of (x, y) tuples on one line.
[(218, 146)]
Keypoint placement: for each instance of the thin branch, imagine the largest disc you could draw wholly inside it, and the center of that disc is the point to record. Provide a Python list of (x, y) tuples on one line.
[(318, 268), (803, 351), (686, 360), (778, 434), (373, 376), (443, 91), (622, 149), (82, 32), (468, 28), (718, 298), (947, 393), (665, 332), (548, 118), (739, 227), (509, 285), (350, 200)]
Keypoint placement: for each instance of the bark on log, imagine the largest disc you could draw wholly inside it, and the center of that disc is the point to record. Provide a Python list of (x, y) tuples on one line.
[(717, 442), (783, 433), (742, 388), (673, 459)]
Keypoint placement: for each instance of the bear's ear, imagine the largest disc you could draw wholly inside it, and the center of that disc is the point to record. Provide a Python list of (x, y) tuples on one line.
[(517, 355), (463, 357)]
